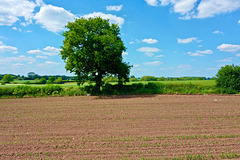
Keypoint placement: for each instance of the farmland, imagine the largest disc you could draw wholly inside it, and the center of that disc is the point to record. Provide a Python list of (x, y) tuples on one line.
[(121, 127), (74, 84)]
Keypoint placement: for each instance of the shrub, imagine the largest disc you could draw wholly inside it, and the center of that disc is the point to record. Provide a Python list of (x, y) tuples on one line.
[(229, 77), (133, 80), (28, 82), (50, 89), (42, 81), (7, 78), (148, 78)]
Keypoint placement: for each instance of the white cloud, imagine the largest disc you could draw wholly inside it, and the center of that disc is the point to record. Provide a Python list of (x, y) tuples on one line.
[(226, 60), (21, 58), (152, 2), (183, 6), (218, 32), (188, 40), (239, 21), (200, 53), (199, 9), (125, 53), (4, 48), (208, 51), (136, 65), (39, 3), (52, 49), (49, 51), (159, 56), (196, 54), (114, 8), (12, 10), (155, 63), (52, 63), (19, 64), (168, 68), (229, 48), (37, 51), (185, 67), (42, 57), (148, 49), (112, 18), (150, 41), (238, 55), (17, 29), (149, 54), (210, 8), (211, 69), (165, 2), (131, 42), (53, 18)]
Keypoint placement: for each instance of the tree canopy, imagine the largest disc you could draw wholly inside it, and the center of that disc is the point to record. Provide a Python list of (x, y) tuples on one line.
[(93, 47), (7, 78), (229, 77)]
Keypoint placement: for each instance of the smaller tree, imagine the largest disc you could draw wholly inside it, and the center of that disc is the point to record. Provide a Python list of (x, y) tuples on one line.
[(59, 80), (148, 78), (36, 80), (7, 78), (51, 80), (42, 81), (229, 77)]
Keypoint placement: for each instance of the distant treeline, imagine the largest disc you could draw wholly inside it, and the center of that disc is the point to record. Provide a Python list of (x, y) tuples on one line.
[(152, 78), (36, 76)]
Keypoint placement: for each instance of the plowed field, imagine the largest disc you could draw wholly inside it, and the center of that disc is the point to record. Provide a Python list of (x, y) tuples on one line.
[(123, 127)]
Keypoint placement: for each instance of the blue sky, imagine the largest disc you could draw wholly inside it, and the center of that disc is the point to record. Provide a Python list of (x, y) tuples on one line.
[(170, 38)]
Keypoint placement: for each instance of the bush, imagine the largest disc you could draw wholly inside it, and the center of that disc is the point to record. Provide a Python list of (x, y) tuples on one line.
[(110, 79), (229, 77), (42, 81), (28, 82), (133, 80), (148, 78), (92, 89), (7, 78), (50, 89)]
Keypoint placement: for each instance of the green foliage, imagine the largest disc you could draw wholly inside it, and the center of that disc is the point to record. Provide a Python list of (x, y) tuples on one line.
[(93, 47), (51, 80), (42, 81), (148, 78), (23, 90), (109, 89), (133, 80), (110, 79), (7, 78), (59, 80), (27, 82), (229, 77)]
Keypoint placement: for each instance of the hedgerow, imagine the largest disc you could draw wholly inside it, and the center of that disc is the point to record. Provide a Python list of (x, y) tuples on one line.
[(109, 89)]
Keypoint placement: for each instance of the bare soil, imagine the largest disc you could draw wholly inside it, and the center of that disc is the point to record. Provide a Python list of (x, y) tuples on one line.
[(119, 127)]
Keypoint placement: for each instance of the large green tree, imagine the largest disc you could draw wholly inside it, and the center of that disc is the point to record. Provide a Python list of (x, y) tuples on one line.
[(93, 47), (7, 78), (229, 77)]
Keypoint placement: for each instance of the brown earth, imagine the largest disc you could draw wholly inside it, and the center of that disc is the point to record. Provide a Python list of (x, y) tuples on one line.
[(122, 127)]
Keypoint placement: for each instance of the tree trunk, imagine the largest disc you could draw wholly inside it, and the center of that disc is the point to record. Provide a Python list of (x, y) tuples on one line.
[(98, 82)]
